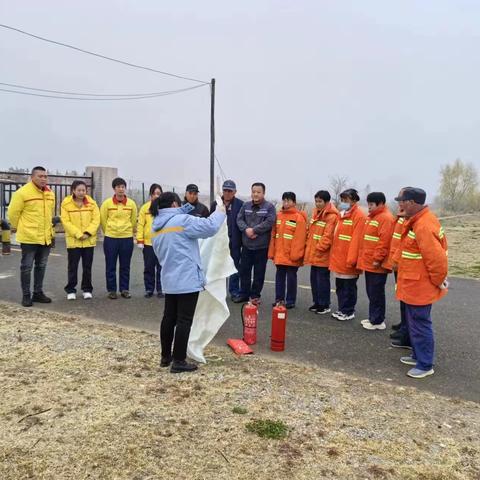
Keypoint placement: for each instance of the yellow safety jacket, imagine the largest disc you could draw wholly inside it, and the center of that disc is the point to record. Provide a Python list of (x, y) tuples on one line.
[(144, 225), (79, 220), (31, 212), (118, 219)]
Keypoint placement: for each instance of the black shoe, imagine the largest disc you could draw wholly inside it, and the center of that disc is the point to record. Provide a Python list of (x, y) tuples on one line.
[(160, 295), (112, 295), (396, 326), (278, 302), (182, 366), (313, 308), (239, 299), (148, 294), (396, 335), (289, 306), (27, 301), (401, 343), (323, 310), (165, 361), (125, 294), (41, 298)]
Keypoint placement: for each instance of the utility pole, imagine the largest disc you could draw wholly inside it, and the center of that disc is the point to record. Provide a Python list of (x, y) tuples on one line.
[(212, 141)]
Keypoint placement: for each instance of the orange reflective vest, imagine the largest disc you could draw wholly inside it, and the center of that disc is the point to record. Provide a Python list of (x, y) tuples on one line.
[(395, 242), (320, 236), (374, 242), (344, 241), (287, 243), (422, 260)]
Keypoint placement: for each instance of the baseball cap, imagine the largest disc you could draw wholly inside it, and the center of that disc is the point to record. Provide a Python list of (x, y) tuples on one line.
[(418, 195), (191, 187), (229, 185)]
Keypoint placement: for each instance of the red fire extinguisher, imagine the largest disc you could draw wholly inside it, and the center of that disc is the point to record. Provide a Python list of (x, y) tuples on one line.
[(279, 324), (249, 320)]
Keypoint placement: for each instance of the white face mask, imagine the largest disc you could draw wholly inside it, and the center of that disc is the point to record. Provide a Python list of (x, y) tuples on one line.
[(344, 206)]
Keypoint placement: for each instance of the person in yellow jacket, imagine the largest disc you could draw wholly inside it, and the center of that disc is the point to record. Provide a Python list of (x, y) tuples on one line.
[(30, 214), (118, 217), (80, 218), (151, 267)]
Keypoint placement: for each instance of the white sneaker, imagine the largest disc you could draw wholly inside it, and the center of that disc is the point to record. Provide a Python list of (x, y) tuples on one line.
[(366, 320), (371, 326), (71, 296), (336, 314), (342, 317), (87, 295)]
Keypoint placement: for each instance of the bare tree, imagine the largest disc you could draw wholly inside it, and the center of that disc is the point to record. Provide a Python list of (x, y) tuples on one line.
[(338, 184)]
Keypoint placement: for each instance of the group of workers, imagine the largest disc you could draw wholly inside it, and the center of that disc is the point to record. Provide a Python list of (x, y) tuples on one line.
[(342, 239)]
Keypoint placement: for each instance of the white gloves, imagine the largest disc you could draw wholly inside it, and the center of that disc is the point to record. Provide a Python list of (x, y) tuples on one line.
[(140, 246), (220, 205), (444, 285)]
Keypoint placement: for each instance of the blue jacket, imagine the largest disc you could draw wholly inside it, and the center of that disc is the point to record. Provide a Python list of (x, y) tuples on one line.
[(261, 218), (175, 242), (234, 233)]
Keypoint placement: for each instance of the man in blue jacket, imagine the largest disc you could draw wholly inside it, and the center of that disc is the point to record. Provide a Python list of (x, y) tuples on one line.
[(175, 242), (232, 206), (255, 220)]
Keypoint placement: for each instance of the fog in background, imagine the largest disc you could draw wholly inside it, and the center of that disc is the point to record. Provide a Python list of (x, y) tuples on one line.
[(384, 92)]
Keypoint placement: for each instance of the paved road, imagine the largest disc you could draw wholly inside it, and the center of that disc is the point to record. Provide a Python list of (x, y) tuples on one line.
[(340, 346)]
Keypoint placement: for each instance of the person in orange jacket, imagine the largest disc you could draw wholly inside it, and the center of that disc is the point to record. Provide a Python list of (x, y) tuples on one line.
[(373, 249), (286, 249), (422, 264), (348, 228), (317, 250)]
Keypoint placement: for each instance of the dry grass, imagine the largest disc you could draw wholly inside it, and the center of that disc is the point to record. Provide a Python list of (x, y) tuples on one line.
[(463, 235), (109, 412)]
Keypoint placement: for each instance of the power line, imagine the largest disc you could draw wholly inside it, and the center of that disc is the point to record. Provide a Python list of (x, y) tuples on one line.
[(146, 94), (58, 97), (105, 57)]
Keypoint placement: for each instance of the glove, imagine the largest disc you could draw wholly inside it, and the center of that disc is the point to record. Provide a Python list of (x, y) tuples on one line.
[(140, 246), (444, 285), (220, 205)]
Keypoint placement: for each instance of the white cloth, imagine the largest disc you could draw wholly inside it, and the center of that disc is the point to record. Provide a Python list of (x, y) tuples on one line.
[(212, 309)]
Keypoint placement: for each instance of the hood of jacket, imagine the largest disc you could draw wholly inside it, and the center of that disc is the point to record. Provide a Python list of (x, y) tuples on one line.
[(165, 214)]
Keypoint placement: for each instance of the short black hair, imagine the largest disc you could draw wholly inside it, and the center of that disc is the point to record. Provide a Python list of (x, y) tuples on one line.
[(118, 181), (259, 184), (153, 187), (376, 198), (289, 196), (40, 169), (323, 195), (350, 193), (165, 200), (76, 183)]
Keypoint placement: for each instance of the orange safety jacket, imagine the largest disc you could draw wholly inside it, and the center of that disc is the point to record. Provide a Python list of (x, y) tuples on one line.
[(348, 227), (422, 259), (374, 242), (287, 243), (320, 236), (395, 242)]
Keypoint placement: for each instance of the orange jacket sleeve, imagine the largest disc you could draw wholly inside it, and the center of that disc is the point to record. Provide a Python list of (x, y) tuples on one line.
[(385, 231), (327, 239), (357, 237), (433, 252), (271, 246), (298, 243)]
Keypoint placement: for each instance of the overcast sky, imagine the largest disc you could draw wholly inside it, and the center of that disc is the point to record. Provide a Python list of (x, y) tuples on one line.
[(384, 92)]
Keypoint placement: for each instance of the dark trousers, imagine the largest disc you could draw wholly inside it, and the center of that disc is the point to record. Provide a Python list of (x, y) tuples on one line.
[(38, 254), (177, 322), (346, 294), (74, 256), (320, 283), (151, 270), (234, 280), (375, 283), (419, 323), (403, 320), (256, 260), (286, 275), (122, 249)]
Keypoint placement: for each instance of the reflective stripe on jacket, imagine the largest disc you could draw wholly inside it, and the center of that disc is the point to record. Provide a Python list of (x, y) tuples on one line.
[(320, 236), (374, 242), (79, 220), (287, 244), (422, 259), (394, 243), (344, 242), (31, 212), (144, 225), (118, 219)]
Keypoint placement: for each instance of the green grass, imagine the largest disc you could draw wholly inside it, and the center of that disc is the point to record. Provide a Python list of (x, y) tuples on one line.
[(268, 428)]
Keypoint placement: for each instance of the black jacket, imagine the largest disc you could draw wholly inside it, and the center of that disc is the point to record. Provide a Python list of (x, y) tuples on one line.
[(234, 233), (200, 210)]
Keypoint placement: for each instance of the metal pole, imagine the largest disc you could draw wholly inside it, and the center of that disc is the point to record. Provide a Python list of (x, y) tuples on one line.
[(212, 141)]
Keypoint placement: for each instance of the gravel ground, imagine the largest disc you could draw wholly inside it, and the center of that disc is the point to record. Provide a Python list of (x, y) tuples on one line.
[(87, 400)]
